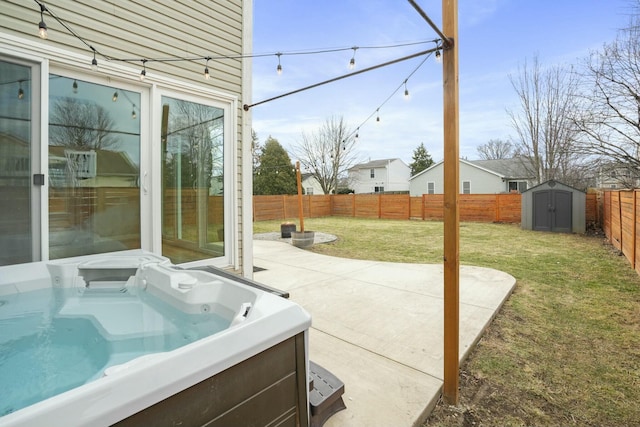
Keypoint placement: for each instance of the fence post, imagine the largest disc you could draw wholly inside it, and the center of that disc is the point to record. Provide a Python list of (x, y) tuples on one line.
[(422, 208), (379, 205), (620, 220), (633, 230)]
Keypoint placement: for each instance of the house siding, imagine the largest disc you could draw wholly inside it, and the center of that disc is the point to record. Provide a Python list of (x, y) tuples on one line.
[(137, 29), (481, 181), (140, 29), (393, 176)]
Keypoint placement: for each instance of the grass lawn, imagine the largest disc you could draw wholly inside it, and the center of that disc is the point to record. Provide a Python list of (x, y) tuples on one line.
[(565, 347)]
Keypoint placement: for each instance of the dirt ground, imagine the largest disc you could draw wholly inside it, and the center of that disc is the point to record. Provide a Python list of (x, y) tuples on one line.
[(482, 403)]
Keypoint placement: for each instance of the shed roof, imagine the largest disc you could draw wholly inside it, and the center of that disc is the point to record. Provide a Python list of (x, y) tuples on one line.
[(551, 184)]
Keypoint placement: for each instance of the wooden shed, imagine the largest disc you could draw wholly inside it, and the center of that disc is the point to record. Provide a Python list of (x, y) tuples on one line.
[(553, 206)]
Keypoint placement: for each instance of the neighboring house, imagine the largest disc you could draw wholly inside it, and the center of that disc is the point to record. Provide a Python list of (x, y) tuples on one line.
[(154, 130), (476, 177), (614, 175), (380, 176), (94, 168), (310, 185)]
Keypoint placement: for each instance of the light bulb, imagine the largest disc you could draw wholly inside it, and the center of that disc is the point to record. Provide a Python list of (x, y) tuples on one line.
[(20, 93), (42, 30), (206, 68), (279, 67), (114, 98), (143, 74), (352, 62), (42, 27), (438, 56), (94, 64), (75, 86), (133, 112)]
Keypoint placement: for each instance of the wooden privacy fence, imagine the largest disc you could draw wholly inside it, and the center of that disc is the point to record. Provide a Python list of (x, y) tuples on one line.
[(620, 222), (473, 207)]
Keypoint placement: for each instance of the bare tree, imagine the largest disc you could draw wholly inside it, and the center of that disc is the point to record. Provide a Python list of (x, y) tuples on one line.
[(609, 122), (81, 125), (327, 153), (495, 149), (544, 124)]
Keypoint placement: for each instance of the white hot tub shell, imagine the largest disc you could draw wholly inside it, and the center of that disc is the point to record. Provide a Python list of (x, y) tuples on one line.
[(267, 340)]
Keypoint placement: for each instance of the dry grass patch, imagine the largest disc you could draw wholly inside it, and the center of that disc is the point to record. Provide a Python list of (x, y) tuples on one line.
[(564, 349)]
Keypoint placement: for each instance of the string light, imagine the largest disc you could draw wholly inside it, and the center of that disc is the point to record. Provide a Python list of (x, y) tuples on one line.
[(376, 112), (74, 86), (20, 90), (94, 61), (133, 112), (43, 33), (352, 62), (438, 57), (206, 69), (143, 73), (406, 91), (42, 27), (114, 98)]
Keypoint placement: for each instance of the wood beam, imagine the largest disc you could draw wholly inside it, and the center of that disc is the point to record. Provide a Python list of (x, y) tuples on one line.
[(451, 208)]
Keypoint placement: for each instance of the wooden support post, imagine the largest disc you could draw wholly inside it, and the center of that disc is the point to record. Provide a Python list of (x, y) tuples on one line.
[(451, 208), (300, 208)]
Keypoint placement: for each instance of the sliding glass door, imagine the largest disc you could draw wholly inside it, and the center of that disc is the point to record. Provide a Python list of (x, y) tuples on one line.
[(94, 168), (192, 141), (19, 151)]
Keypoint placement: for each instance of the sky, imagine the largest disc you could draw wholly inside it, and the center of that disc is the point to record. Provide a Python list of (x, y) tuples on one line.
[(495, 39)]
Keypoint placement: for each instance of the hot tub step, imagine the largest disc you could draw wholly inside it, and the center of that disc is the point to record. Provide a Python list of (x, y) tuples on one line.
[(325, 398)]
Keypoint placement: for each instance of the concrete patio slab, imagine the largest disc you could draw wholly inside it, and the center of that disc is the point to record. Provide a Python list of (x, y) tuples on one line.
[(378, 326)]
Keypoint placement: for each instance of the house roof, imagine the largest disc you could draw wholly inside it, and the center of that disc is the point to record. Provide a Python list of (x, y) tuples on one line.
[(508, 168), (504, 168), (373, 164)]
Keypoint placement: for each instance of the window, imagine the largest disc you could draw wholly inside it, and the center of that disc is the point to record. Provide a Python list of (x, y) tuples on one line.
[(372, 173), (431, 188), (378, 189), (94, 168), (466, 187), (309, 191), (519, 186)]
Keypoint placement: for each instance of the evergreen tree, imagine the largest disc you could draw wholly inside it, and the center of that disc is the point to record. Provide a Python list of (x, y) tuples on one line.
[(275, 173), (421, 160)]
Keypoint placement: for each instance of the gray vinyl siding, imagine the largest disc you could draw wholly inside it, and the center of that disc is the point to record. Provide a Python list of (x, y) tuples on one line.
[(143, 29)]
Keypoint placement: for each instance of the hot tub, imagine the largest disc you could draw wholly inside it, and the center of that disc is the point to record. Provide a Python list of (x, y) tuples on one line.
[(131, 339)]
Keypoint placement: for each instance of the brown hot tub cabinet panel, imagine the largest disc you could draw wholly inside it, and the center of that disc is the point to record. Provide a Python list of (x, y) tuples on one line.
[(268, 389)]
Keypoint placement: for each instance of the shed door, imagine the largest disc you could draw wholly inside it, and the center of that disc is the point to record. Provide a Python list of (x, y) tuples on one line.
[(552, 211)]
